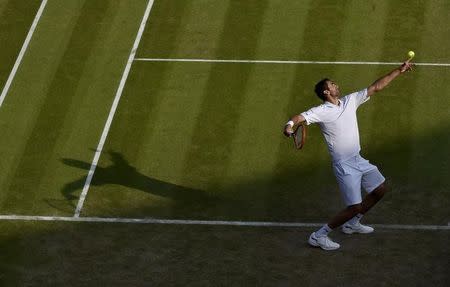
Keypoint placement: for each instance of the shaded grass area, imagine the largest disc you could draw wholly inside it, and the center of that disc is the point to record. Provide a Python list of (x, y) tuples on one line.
[(53, 254), (419, 196)]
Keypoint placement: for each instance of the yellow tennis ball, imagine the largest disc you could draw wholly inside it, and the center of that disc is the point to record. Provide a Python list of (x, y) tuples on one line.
[(411, 54)]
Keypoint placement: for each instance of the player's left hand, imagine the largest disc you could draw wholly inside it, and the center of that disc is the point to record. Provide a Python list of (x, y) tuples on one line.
[(406, 66), (288, 130)]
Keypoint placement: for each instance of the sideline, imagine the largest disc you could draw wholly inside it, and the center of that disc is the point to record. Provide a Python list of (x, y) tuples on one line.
[(286, 62), (105, 132), (22, 51)]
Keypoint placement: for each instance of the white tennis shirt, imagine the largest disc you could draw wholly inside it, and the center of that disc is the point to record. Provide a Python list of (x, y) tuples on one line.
[(339, 124)]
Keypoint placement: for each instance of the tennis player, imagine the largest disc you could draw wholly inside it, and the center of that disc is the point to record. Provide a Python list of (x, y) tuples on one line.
[(337, 120)]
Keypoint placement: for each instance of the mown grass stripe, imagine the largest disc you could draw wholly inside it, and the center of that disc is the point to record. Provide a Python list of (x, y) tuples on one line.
[(400, 89), (61, 95), (22, 52), (105, 132), (137, 114), (300, 98), (268, 84), (368, 45), (220, 110), (421, 105)]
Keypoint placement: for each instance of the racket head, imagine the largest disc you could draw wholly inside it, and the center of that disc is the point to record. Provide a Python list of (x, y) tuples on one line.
[(299, 136)]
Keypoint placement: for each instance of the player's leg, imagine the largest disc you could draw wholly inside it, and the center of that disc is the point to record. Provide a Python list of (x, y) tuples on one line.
[(349, 180), (373, 197), (345, 215), (351, 175), (354, 225), (373, 182)]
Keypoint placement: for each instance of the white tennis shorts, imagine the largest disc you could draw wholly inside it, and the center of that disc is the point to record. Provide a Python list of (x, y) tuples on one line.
[(353, 173)]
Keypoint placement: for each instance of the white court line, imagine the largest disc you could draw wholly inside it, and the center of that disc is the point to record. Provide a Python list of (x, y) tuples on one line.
[(285, 62), (22, 51), (206, 222), (113, 110)]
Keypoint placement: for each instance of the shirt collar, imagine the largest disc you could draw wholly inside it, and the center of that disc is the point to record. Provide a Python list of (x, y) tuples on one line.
[(333, 105)]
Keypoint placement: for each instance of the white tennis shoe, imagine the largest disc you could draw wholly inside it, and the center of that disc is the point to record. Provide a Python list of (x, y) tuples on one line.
[(356, 228), (323, 242)]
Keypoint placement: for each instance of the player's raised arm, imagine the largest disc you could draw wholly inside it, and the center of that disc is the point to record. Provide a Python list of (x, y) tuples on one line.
[(382, 82), (293, 121)]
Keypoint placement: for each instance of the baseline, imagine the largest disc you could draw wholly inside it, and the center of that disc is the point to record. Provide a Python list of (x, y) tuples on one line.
[(205, 222)]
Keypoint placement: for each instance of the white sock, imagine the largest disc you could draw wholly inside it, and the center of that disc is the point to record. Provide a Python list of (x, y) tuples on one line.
[(355, 219), (323, 231)]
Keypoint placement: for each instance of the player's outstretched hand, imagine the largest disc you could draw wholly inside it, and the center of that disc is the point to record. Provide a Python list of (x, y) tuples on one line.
[(288, 131), (406, 66)]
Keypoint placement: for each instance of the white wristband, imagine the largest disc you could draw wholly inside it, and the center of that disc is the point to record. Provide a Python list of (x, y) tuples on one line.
[(290, 123)]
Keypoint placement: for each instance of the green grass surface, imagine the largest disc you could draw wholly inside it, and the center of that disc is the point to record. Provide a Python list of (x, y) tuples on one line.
[(18, 14), (203, 141), (75, 67)]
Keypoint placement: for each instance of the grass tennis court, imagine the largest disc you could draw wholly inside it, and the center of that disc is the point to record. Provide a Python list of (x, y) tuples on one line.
[(202, 140)]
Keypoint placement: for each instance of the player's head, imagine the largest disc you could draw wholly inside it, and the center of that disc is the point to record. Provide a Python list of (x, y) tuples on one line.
[(326, 88)]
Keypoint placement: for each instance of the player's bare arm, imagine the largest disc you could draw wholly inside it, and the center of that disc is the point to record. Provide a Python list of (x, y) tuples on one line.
[(293, 121), (382, 82)]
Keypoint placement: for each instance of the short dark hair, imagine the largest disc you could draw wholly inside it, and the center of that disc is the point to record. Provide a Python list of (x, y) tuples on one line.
[(320, 87)]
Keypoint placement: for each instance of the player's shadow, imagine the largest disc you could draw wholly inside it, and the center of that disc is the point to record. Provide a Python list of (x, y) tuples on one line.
[(120, 172)]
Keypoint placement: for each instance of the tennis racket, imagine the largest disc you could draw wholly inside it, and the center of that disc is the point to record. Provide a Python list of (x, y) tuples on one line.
[(299, 136)]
